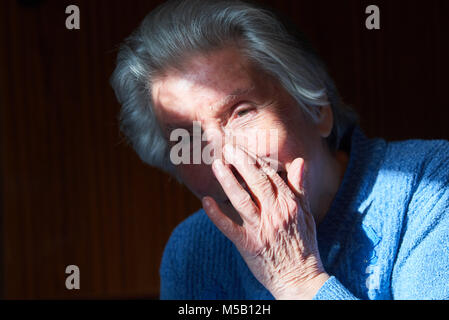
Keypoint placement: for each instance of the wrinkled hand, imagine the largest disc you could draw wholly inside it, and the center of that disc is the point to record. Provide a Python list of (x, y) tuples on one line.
[(278, 238)]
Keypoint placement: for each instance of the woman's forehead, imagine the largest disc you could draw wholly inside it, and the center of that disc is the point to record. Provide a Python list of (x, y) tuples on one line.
[(208, 87)]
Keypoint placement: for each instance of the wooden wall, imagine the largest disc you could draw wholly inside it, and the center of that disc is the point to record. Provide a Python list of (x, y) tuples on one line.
[(72, 192)]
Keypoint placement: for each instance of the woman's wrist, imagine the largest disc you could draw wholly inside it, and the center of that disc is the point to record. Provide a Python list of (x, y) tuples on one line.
[(305, 290)]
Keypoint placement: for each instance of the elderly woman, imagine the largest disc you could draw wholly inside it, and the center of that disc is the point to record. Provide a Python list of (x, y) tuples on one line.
[(321, 213)]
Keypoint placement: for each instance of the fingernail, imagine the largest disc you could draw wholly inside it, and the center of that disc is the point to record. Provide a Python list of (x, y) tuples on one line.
[(218, 167), (206, 202)]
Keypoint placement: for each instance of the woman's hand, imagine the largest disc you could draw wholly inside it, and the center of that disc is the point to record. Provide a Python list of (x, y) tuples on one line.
[(277, 239)]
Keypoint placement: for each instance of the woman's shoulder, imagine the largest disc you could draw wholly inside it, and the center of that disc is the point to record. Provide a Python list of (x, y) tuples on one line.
[(417, 168), (425, 154)]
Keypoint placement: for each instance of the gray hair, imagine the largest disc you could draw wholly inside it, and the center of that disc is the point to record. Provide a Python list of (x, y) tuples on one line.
[(177, 29)]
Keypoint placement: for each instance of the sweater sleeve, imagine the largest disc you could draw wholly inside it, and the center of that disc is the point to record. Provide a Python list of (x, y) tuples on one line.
[(421, 269), (333, 290)]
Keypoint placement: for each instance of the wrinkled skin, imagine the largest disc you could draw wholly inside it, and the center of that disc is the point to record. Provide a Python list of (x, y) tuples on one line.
[(268, 211)]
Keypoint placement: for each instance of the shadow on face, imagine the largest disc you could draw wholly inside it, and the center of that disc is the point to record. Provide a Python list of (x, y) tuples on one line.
[(233, 102)]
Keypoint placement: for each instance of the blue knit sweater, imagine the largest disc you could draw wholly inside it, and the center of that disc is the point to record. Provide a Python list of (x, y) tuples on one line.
[(386, 235)]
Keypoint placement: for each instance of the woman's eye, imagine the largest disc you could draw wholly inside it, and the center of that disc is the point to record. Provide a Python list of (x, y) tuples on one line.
[(242, 113)]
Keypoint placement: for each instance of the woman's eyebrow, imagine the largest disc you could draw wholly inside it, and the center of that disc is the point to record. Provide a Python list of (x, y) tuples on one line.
[(234, 95), (218, 106)]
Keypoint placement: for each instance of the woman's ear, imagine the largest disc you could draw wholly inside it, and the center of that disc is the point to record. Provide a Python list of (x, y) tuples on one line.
[(325, 121)]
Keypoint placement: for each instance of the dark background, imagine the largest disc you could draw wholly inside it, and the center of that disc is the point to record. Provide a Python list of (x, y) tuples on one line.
[(71, 190)]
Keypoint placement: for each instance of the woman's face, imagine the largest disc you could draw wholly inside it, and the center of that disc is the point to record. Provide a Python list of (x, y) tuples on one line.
[(236, 103)]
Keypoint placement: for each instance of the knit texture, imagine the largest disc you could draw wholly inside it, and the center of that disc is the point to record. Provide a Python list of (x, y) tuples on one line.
[(386, 235)]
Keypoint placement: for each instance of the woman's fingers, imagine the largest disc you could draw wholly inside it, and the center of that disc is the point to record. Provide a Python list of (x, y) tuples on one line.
[(295, 176), (255, 178), (281, 186), (239, 197), (268, 189), (229, 228)]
